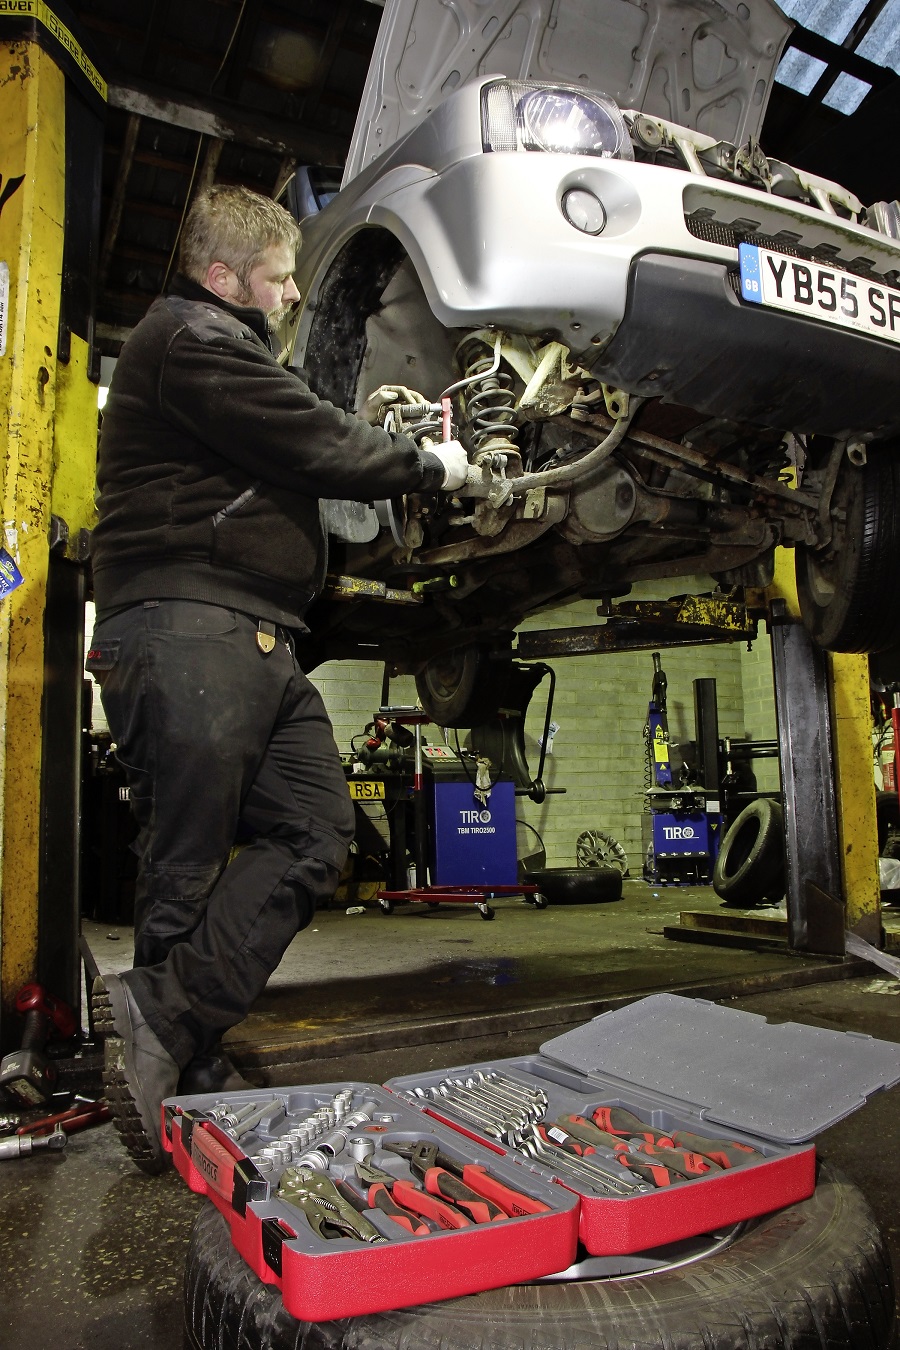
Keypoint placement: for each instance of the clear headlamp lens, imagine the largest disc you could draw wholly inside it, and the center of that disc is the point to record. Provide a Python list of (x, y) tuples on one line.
[(558, 119)]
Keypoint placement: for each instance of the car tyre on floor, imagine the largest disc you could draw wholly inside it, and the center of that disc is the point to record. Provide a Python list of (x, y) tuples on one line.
[(750, 865), (815, 1275)]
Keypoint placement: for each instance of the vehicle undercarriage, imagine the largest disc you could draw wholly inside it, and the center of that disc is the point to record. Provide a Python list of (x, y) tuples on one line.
[(575, 490)]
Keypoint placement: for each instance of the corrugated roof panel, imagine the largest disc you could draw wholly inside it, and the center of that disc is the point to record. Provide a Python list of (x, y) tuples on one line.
[(799, 71), (835, 20), (832, 19), (846, 94), (882, 42)]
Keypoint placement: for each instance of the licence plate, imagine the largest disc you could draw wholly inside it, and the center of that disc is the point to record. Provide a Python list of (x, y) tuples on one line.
[(366, 790), (819, 292)]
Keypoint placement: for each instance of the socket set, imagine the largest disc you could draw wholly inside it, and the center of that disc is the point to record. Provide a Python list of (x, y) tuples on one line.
[(352, 1202), (659, 1121)]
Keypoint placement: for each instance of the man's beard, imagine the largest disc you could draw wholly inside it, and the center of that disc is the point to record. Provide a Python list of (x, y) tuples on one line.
[(276, 317)]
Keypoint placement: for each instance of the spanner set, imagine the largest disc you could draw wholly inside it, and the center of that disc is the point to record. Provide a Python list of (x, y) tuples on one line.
[(656, 1122)]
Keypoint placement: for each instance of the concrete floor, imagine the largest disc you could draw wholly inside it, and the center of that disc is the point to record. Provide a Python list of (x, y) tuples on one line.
[(91, 1251)]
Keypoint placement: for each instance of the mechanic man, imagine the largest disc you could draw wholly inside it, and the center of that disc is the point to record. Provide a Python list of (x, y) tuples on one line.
[(207, 552)]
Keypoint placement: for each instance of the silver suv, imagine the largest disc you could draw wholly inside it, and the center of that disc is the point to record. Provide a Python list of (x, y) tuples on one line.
[(665, 352)]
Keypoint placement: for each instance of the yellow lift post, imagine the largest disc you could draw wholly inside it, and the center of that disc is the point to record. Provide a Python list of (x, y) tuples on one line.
[(52, 101), (851, 735)]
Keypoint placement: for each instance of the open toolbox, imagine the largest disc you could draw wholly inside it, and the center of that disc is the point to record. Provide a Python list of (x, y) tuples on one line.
[(314, 1147), (659, 1121)]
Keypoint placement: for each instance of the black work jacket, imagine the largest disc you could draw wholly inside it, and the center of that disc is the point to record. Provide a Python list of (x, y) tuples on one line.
[(213, 458)]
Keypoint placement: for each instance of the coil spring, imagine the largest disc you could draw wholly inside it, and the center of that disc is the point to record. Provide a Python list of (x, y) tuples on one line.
[(490, 402), (772, 461)]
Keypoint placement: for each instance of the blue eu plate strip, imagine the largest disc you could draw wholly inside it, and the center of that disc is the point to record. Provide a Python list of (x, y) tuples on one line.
[(751, 280)]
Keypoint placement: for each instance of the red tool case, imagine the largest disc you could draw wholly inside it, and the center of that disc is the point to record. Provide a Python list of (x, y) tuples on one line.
[(676, 1063), (325, 1279)]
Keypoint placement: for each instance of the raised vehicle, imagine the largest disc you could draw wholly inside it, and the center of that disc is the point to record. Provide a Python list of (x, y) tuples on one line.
[(665, 352)]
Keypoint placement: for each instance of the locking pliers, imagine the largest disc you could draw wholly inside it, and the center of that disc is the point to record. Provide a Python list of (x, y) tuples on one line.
[(323, 1206)]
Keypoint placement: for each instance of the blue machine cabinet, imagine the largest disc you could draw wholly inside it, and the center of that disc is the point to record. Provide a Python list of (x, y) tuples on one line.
[(685, 846), (473, 844)]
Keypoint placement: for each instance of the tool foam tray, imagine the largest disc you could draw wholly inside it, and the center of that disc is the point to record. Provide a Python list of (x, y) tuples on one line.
[(326, 1278), (687, 1064)]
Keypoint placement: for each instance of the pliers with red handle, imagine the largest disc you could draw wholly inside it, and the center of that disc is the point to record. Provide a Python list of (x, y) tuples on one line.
[(375, 1195), (467, 1185), (409, 1196)]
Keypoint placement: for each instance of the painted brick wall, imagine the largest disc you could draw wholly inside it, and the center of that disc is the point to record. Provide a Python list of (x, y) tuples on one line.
[(759, 707), (601, 708)]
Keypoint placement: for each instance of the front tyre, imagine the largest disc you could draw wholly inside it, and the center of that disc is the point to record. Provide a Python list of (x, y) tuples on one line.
[(850, 592)]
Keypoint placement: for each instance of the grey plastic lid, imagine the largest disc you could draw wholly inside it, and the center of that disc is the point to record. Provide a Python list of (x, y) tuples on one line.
[(784, 1082)]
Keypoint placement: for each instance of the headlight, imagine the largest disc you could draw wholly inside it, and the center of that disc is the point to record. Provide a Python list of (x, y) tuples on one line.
[(559, 119)]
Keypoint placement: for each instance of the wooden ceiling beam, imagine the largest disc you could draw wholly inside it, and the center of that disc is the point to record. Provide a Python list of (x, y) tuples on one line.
[(151, 159), (226, 122), (117, 205), (148, 208)]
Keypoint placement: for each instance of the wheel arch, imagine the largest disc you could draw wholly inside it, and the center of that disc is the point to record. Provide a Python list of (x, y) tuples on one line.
[(332, 345)]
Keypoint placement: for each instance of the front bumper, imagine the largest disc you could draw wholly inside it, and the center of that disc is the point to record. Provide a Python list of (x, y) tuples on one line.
[(687, 337)]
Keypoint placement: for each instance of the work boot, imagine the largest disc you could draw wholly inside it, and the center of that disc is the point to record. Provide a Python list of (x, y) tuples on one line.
[(138, 1072), (212, 1072)]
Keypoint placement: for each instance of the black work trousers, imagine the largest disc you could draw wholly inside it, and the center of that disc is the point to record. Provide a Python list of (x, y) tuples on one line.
[(213, 732)]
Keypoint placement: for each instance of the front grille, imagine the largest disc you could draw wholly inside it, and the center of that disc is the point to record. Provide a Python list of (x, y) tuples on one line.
[(703, 226)]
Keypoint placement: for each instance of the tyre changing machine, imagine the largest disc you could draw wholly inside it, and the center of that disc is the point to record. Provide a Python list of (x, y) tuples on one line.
[(683, 825), (473, 844)]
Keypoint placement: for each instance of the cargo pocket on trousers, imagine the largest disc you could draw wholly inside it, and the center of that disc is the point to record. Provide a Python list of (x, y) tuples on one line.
[(101, 658), (327, 847)]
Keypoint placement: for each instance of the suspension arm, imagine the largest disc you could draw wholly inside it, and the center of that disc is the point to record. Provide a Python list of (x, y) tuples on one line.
[(664, 452)]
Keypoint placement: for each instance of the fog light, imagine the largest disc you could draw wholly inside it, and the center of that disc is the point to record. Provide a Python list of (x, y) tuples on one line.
[(583, 210)]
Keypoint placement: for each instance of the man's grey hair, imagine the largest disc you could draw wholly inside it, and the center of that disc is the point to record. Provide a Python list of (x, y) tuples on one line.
[(235, 226)]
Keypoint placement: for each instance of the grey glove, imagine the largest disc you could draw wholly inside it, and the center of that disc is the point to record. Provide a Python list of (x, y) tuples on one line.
[(455, 462)]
